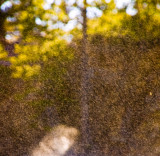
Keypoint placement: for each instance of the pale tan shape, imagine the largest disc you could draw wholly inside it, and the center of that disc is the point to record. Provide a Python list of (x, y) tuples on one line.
[(57, 142)]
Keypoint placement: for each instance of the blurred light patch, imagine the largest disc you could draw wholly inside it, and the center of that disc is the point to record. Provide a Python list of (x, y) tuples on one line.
[(122, 3), (57, 142), (80, 3), (58, 2), (93, 12), (158, 6), (67, 37), (131, 10), (74, 13), (46, 6), (16, 2), (40, 22), (145, 5), (115, 11), (50, 1), (6, 6), (70, 2), (12, 36), (108, 1), (70, 25), (11, 19), (91, 1), (8, 37)]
